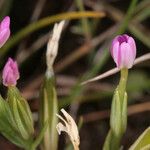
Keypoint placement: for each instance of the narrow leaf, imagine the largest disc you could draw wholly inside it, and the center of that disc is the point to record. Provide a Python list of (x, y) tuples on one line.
[(143, 142)]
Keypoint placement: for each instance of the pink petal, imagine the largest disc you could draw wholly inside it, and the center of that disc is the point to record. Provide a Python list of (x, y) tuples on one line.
[(4, 35), (126, 36), (115, 51), (127, 56), (132, 45), (10, 73), (5, 23)]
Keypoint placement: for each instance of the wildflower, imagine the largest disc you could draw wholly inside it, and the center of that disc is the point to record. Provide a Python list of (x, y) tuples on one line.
[(69, 127), (10, 73), (123, 51), (4, 30)]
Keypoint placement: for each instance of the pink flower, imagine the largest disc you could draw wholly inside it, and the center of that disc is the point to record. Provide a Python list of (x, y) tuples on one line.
[(4, 30), (123, 51), (10, 73)]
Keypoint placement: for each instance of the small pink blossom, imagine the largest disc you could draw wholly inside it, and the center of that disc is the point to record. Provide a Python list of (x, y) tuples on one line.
[(10, 73), (4, 30), (123, 51)]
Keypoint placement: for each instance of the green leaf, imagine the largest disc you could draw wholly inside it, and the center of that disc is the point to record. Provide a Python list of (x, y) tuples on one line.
[(147, 147), (143, 142)]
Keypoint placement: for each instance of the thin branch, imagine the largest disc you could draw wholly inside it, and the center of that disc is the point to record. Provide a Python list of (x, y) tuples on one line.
[(115, 70), (83, 50)]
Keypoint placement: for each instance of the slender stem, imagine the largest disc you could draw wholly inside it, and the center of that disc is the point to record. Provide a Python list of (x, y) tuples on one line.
[(123, 82), (84, 21), (118, 111), (122, 89), (128, 16)]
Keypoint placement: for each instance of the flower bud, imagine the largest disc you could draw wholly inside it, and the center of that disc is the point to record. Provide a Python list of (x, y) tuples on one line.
[(4, 30), (123, 51), (10, 73)]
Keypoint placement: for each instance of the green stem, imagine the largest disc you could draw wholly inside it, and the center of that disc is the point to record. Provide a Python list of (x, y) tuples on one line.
[(45, 22), (128, 16), (118, 118), (29, 146), (122, 83), (122, 89), (84, 21)]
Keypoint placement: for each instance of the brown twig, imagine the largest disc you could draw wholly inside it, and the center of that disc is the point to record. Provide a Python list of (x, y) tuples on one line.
[(64, 84), (23, 53), (115, 70), (1, 3), (37, 10), (26, 52)]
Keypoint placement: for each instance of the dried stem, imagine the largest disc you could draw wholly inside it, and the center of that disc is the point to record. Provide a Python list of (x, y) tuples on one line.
[(115, 70)]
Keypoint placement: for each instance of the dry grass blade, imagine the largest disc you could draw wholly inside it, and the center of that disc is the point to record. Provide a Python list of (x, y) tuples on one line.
[(115, 70), (134, 109)]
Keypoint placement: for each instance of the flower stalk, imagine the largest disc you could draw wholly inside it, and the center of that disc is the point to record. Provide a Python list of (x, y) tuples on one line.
[(123, 82), (48, 103), (123, 51), (118, 118)]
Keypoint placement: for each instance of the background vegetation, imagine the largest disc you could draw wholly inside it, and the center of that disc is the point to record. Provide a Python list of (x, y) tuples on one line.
[(83, 53)]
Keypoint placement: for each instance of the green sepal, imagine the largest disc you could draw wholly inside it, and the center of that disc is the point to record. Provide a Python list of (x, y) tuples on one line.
[(107, 142), (143, 142), (111, 141), (124, 114), (14, 137), (115, 116), (7, 125), (48, 111), (118, 117), (21, 113)]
